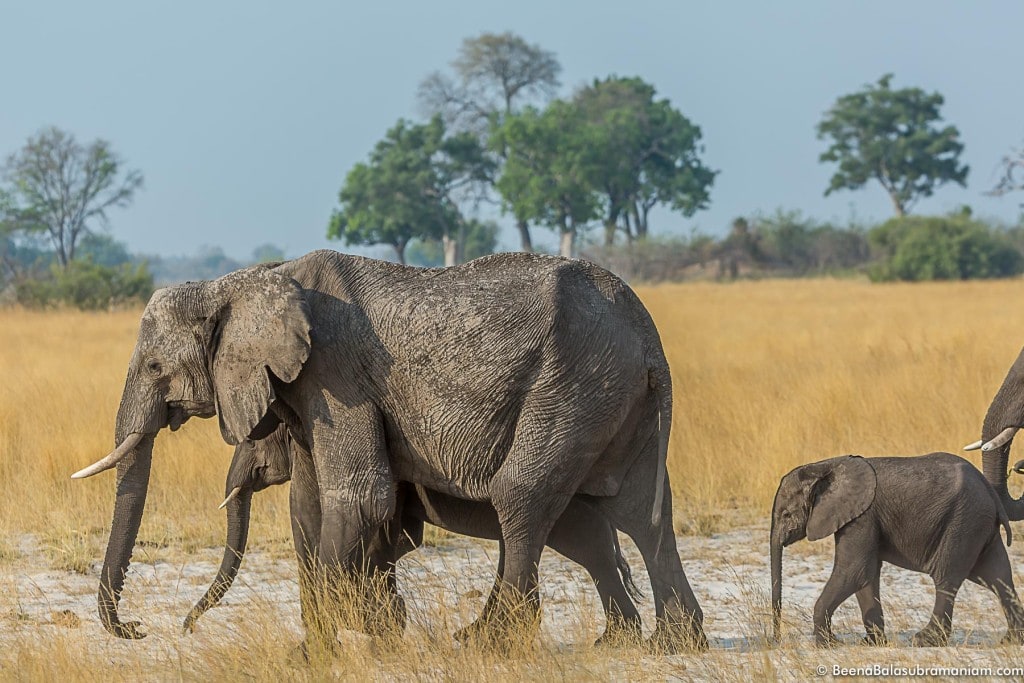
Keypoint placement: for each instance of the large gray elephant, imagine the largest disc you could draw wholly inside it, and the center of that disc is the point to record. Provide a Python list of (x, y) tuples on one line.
[(1004, 417), (933, 513), (582, 534), (516, 379)]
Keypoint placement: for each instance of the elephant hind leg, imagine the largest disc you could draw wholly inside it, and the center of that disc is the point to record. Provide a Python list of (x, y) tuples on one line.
[(585, 536), (679, 618), (993, 571)]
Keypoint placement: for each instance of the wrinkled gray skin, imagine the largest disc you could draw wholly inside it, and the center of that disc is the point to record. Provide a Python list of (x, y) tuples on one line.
[(519, 380), (1006, 410), (933, 513), (582, 534)]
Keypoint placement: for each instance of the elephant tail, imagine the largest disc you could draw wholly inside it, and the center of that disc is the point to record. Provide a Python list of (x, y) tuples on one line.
[(661, 383), (625, 572)]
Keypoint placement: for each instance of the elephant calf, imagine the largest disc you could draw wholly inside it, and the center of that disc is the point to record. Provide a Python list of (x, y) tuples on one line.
[(582, 533), (934, 514)]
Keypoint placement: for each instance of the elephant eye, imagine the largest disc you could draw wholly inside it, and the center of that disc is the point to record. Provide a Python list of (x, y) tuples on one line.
[(155, 368)]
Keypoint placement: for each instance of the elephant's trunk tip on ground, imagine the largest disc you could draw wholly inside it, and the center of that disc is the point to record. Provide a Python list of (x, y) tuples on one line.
[(776, 569)]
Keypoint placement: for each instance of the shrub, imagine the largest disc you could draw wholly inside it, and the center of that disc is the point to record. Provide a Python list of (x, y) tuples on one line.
[(953, 247), (88, 286)]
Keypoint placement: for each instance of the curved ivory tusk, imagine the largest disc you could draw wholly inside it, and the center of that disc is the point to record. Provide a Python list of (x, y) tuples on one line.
[(115, 457), (974, 446), (231, 496), (1003, 438), (1019, 467)]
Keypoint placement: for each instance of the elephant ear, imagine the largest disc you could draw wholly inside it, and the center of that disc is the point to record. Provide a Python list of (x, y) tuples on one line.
[(262, 324), (843, 490)]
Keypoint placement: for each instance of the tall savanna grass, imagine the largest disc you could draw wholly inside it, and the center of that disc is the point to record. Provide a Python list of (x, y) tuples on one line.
[(767, 375)]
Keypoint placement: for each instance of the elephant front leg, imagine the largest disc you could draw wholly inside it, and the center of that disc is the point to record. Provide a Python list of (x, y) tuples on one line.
[(304, 503)]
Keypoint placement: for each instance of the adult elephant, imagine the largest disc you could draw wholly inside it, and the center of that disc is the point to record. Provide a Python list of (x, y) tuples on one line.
[(1005, 416), (517, 379)]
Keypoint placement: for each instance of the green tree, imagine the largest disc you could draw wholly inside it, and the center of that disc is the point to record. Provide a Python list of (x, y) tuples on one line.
[(894, 137), (954, 247), (546, 176), (495, 75), (58, 187), (644, 153), (409, 189)]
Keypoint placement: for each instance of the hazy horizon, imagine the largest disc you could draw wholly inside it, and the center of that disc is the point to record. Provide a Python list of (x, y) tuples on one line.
[(245, 119)]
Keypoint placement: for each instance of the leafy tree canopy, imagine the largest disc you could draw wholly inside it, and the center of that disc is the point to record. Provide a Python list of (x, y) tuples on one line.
[(546, 175), (894, 137), (409, 187), (643, 151)]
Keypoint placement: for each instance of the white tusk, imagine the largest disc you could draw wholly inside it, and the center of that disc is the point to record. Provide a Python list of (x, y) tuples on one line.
[(974, 446), (1001, 439), (231, 496), (115, 457)]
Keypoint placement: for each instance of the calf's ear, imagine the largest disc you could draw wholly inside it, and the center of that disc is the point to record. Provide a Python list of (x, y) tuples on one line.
[(844, 489)]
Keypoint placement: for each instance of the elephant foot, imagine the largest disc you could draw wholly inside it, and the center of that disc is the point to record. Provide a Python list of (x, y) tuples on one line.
[(671, 639), (500, 628), (930, 637), (1012, 637), (874, 638), (621, 633), (824, 640), (313, 651), (129, 630), (471, 633), (385, 620)]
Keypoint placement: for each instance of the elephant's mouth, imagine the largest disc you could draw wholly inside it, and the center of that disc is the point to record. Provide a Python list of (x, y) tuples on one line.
[(178, 412)]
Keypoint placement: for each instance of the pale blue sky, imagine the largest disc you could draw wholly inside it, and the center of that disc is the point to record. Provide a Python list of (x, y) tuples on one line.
[(245, 117)]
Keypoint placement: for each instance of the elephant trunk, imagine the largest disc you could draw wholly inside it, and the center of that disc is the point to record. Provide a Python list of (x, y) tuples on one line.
[(234, 548), (1006, 410), (132, 486), (776, 570)]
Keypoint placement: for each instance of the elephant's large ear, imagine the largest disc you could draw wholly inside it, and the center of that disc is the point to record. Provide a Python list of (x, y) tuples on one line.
[(262, 323), (844, 489)]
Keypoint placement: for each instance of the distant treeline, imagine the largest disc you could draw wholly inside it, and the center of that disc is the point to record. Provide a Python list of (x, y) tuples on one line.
[(786, 244), (104, 273)]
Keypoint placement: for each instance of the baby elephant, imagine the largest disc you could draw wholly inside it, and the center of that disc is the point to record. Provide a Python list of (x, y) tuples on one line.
[(582, 534), (934, 514)]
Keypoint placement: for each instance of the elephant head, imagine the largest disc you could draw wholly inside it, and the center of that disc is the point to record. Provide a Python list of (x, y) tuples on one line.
[(814, 501), (256, 465), (204, 348), (1004, 417)]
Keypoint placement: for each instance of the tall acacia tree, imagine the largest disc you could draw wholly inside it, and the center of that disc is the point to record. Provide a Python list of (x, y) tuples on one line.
[(58, 187), (494, 76), (644, 152), (893, 137)]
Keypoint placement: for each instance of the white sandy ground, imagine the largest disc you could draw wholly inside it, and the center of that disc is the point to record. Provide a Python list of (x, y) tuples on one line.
[(729, 573)]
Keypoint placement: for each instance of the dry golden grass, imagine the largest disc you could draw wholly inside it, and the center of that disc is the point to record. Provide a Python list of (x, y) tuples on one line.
[(767, 375)]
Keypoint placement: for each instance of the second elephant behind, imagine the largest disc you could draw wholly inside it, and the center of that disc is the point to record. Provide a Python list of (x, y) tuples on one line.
[(582, 533)]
